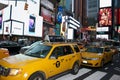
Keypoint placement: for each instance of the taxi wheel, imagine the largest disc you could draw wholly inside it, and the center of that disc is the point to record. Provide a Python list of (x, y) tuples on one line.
[(36, 76), (75, 68)]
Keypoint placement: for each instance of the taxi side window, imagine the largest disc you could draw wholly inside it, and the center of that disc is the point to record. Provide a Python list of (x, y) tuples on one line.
[(76, 48), (67, 50), (57, 52), (61, 51), (107, 49)]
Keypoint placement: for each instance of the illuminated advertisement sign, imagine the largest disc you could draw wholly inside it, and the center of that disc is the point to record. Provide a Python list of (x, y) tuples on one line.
[(105, 3), (17, 28), (70, 33), (32, 24), (117, 16), (105, 17), (99, 29), (119, 29), (105, 36), (47, 15), (7, 28)]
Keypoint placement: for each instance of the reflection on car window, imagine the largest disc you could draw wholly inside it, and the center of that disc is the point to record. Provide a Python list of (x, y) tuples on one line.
[(67, 50), (61, 51), (38, 50), (76, 48), (58, 51), (107, 49), (94, 50)]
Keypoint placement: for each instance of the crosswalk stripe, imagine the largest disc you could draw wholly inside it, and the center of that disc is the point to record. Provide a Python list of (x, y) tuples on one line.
[(115, 77), (71, 77), (96, 76)]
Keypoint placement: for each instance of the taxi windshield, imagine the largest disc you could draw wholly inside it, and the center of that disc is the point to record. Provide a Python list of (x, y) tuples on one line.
[(94, 50), (38, 50)]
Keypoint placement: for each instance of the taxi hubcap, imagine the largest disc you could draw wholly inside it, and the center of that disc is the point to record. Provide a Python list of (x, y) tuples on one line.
[(76, 68), (38, 78)]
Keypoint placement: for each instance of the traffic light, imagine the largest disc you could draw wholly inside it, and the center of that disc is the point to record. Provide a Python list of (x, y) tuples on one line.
[(26, 6)]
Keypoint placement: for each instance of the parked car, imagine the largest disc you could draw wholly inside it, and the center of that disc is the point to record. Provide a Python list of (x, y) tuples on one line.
[(97, 56), (13, 47), (41, 61), (4, 53), (24, 48)]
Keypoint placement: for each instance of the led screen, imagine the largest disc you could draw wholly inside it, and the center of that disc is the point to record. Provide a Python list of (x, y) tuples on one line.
[(7, 27), (32, 24), (105, 17), (46, 14), (70, 33), (105, 36), (117, 16), (105, 3), (17, 28), (119, 29), (102, 29)]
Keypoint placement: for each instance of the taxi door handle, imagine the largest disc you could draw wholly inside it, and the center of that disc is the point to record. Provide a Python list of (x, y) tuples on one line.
[(62, 60), (73, 56)]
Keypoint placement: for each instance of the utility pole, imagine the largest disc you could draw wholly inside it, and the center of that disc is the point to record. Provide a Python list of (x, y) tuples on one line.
[(112, 31)]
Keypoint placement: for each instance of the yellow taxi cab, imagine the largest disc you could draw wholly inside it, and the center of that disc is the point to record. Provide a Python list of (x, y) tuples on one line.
[(41, 61), (96, 56), (3, 53), (81, 46)]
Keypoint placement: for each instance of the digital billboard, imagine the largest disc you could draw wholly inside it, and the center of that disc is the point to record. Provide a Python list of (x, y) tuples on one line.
[(47, 15), (105, 17), (17, 28), (118, 29), (102, 36), (105, 3), (32, 24), (117, 16)]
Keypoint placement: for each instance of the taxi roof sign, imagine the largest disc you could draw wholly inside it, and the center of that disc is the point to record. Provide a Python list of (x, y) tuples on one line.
[(54, 38)]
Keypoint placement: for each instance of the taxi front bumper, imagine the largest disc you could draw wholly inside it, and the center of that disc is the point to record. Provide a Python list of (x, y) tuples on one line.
[(91, 63)]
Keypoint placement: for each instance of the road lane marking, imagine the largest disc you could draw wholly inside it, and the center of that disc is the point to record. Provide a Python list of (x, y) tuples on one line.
[(71, 77), (96, 76), (117, 69), (115, 77)]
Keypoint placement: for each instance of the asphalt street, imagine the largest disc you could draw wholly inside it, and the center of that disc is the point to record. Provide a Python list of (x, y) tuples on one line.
[(110, 71)]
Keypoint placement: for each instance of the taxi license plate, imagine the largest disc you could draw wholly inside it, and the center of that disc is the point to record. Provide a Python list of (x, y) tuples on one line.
[(84, 61)]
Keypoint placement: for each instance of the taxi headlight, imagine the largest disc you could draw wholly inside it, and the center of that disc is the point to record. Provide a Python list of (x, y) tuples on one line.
[(14, 71)]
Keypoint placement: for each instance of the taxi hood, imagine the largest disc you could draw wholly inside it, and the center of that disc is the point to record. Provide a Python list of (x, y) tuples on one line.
[(91, 55), (17, 60)]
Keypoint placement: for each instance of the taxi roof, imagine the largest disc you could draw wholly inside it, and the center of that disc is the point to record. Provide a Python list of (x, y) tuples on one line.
[(58, 43)]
